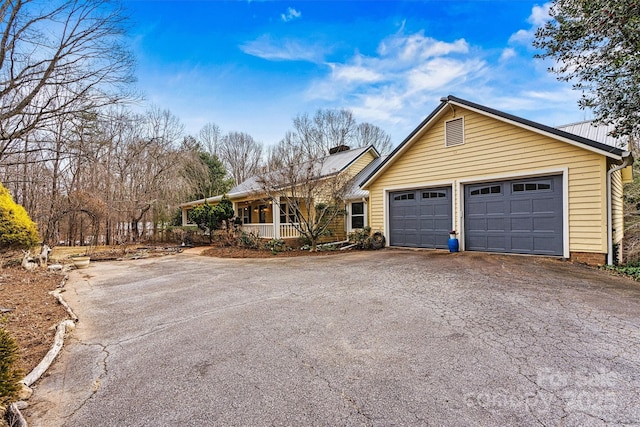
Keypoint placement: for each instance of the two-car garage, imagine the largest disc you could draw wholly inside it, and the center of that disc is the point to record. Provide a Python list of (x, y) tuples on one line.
[(505, 184), (522, 216)]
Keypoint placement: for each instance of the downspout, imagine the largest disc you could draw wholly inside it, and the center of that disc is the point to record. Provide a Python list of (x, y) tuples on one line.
[(627, 160)]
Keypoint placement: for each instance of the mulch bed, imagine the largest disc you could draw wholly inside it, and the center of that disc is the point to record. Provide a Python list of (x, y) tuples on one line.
[(36, 313), (237, 252)]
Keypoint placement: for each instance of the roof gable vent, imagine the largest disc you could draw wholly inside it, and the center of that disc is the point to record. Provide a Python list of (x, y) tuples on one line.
[(454, 132)]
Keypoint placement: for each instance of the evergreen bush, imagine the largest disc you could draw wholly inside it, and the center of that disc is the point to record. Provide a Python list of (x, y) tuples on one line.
[(17, 230), (10, 375)]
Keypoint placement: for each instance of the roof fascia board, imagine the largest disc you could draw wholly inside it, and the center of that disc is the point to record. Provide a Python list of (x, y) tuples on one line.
[(200, 202)]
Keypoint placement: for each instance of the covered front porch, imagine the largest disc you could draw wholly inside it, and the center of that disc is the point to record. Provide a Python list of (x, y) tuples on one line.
[(268, 219)]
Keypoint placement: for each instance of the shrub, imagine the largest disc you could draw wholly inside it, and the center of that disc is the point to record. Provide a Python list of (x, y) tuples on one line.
[(275, 245), (250, 240), (360, 236), (17, 230), (365, 240), (9, 374)]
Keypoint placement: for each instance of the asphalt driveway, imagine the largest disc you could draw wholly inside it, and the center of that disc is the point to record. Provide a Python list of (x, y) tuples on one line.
[(379, 338)]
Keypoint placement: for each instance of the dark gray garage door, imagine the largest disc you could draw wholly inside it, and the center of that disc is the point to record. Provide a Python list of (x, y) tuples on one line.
[(519, 216), (420, 218)]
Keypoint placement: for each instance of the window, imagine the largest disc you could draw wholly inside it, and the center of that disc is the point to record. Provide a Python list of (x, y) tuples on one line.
[(357, 215), (531, 186), (406, 196), (454, 132), (433, 194), (245, 214), (489, 189), (262, 214), (287, 214)]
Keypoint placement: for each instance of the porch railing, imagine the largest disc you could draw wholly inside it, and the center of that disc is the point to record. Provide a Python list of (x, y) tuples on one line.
[(267, 231), (288, 231)]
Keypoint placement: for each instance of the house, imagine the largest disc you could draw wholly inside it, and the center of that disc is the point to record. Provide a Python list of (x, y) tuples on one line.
[(503, 183), (271, 218)]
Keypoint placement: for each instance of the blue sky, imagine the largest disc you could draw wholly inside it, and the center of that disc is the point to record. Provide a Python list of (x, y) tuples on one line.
[(252, 66)]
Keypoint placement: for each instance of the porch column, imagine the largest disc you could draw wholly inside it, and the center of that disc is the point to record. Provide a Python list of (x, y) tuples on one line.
[(275, 205), (185, 218)]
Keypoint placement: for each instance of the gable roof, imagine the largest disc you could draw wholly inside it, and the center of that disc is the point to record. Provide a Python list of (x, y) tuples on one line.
[(330, 165), (558, 134)]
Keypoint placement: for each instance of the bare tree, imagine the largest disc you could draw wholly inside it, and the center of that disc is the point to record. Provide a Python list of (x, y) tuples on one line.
[(241, 155), (368, 134), (209, 138), (58, 57), (333, 128), (301, 186)]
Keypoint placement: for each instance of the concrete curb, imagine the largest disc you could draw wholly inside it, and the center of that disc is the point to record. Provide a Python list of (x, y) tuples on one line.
[(13, 412)]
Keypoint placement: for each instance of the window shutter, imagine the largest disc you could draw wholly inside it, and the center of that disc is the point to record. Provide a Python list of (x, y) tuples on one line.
[(454, 132)]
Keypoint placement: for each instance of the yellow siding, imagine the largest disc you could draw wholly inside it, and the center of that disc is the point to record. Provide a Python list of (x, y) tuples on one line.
[(492, 149), (627, 175), (617, 211), (360, 164), (337, 229)]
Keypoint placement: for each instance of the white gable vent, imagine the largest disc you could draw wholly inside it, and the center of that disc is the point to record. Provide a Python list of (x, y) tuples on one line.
[(454, 132)]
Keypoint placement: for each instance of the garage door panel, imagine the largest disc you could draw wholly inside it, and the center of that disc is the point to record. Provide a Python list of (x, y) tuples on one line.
[(544, 205), (424, 220), (522, 224), (521, 243), (531, 221), (476, 208), (544, 245), (442, 224), (520, 206), (495, 207), (475, 224), (427, 211), (545, 224), (495, 224), (496, 242), (443, 210)]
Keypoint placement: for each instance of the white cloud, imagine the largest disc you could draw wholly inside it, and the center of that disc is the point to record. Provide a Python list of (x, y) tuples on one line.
[(355, 73), (405, 71), (399, 83), (539, 16), (522, 36), (507, 54), (291, 14), (285, 50), (440, 73), (417, 46)]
